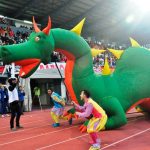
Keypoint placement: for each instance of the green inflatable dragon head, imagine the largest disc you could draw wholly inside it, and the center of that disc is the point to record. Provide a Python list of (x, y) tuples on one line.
[(30, 54)]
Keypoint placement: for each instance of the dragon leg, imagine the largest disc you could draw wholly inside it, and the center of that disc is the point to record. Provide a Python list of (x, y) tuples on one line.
[(115, 112)]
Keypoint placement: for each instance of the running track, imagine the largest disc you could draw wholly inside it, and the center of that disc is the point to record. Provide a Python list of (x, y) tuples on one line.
[(39, 135)]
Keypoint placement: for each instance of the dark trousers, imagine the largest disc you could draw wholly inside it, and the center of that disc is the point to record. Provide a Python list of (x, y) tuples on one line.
[(15, 112), (3, 105), (21, 106)]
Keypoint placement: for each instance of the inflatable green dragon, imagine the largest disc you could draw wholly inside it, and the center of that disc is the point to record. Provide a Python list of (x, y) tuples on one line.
[(126, 87)]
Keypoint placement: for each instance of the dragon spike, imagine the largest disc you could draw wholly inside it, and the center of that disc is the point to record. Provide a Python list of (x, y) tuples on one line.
[(134, 43), (47, 29), (116, 53), (36, 28), (106, 70), (78, 28), (95, 52)]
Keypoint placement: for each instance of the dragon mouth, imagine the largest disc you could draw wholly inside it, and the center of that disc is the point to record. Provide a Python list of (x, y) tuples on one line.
[(28, 66)]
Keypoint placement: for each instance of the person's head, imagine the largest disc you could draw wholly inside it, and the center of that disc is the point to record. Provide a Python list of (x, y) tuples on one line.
[(12, 80), (20, 88), (50, 91), (84, 95)]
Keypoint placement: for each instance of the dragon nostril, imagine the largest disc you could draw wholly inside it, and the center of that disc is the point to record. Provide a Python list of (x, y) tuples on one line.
[(5, 52)]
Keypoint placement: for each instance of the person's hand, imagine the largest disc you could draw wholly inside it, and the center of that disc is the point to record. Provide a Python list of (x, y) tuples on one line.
[(77, 113), (73, 103)]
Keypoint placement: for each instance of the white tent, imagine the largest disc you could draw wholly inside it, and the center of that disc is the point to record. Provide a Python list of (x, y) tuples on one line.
[(48, 71)]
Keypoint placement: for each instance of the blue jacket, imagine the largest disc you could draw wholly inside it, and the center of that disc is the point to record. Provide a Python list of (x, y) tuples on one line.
[(21, 95), (1, 95), (57, 104), (6, 95)]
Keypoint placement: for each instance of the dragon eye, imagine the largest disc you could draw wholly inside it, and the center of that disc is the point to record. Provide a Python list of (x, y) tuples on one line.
[(37, 39)]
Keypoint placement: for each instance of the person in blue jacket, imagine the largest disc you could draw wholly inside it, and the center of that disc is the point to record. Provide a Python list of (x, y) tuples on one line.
[(2, 100), (21, 95), (6, 100)]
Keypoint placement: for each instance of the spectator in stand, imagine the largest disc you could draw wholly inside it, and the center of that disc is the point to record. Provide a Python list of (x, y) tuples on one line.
[(101, 61), (11, 33), (63, 58), (2, 31), (2, 20), (54, 57)]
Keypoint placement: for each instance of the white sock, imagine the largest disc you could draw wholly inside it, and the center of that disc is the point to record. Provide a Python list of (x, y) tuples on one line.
[(97, 145), (98, 141)]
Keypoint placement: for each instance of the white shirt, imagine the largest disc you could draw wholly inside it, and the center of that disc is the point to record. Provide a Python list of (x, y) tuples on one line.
[(13, 95)]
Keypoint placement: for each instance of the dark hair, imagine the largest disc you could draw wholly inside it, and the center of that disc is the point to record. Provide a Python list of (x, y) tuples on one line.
[(51, 89), (86, 93), (11, 79)]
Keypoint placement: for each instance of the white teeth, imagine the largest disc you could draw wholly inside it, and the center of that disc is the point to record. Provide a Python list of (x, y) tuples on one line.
[(23, 73)]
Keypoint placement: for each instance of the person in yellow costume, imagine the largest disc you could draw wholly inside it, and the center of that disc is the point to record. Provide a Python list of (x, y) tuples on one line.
[(58, 108), (97, 121)]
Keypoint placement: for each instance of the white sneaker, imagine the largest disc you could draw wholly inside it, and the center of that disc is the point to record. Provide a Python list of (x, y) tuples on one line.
[(13, 129)]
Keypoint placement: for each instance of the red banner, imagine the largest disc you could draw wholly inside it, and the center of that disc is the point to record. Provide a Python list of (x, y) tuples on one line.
[(1, 69)]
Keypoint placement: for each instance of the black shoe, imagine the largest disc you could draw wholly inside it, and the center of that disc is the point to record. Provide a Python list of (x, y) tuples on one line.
[(19, 127), (70, 121)]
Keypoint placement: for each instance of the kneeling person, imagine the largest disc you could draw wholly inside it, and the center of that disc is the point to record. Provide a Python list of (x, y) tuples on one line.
[(97, 121)]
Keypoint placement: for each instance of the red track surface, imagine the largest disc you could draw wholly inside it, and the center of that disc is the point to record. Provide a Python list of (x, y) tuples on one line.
[(38, 134)]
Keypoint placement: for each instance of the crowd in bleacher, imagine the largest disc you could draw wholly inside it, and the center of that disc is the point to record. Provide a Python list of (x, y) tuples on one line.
[(9, 22), (8, 36)]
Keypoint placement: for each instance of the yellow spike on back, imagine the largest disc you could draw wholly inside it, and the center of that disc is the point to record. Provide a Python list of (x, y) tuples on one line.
[(96, 52), (106, 70), (116, 53), (134, 43), (78, 28)]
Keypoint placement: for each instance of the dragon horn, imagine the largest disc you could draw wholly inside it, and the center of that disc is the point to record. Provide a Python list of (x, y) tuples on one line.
[(36, 28), (47, 29)]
